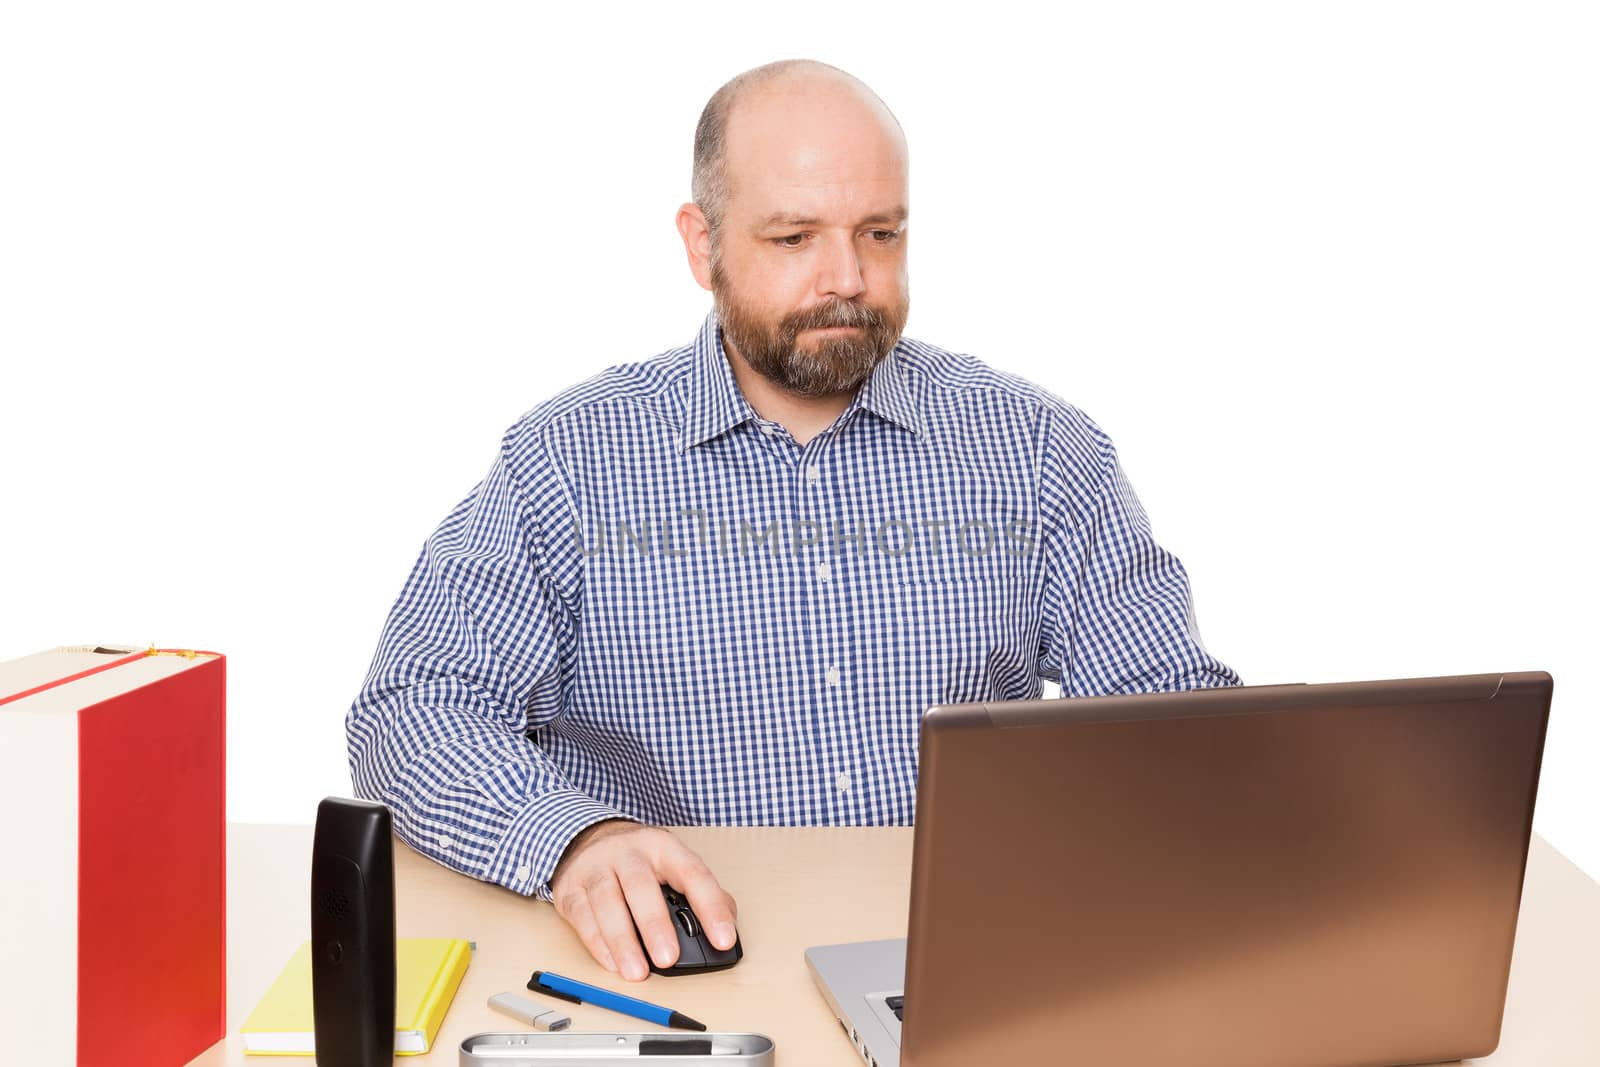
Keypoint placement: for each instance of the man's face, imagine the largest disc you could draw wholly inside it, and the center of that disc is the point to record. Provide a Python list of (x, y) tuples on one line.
[(809, 275)]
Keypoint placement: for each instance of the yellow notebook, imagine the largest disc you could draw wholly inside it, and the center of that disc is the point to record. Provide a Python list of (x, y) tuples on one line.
[(427, 972)]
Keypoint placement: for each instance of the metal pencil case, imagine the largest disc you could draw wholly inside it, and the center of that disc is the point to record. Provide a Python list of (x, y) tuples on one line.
[(566, 1049)]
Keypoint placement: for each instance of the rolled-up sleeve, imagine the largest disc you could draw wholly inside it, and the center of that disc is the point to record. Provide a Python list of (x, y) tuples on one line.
[(1118, 611), (472, 658)]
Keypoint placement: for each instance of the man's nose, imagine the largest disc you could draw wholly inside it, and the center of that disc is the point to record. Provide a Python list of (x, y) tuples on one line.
[(841, 269)]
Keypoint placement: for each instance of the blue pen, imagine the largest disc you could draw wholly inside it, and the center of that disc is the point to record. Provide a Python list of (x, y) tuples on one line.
[(584, 993)]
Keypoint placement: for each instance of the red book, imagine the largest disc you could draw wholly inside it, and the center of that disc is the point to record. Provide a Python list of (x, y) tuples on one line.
[(112, 906)]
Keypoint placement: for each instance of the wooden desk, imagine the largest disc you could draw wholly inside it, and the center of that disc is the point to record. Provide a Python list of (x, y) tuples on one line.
[(795, 887)]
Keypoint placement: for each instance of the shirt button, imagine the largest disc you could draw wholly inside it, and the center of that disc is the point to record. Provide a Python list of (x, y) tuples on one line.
[(445, 842), (824, 571), (844, 781), (833, 675), (813, 475), (524, 873)]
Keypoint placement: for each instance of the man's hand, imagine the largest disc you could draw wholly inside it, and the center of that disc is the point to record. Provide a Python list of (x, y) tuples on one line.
[(610, 877)]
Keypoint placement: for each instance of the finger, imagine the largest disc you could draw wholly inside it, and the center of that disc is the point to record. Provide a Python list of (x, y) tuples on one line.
[(718, 913), (616, 927), (642, 888), (580, 916)]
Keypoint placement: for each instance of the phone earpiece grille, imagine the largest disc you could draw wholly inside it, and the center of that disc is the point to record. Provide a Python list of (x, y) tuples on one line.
[(335, 904)]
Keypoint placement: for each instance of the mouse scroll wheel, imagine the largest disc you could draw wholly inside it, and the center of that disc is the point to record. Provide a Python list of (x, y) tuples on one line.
[(685, 919)]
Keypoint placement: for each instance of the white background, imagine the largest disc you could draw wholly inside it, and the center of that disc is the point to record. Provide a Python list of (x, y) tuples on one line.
[(275, 277)]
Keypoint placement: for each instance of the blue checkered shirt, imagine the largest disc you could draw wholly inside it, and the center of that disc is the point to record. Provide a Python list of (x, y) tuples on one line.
[(658, 605)]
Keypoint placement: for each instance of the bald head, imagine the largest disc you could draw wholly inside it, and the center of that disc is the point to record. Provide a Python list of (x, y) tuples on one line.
[(799, 227), (780, 111)]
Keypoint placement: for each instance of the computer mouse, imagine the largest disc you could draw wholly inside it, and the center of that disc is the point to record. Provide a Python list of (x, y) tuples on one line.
[(696, 953)]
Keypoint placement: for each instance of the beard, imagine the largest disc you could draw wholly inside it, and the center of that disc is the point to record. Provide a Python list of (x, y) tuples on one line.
[(838, 363)]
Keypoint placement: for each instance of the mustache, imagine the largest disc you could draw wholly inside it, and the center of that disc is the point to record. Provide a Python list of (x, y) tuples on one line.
[(835, 313)]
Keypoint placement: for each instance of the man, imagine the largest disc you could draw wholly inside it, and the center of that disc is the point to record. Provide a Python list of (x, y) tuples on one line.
[(721, 585)]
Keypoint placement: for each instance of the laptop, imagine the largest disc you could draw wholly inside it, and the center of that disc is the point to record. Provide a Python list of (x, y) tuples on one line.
[(1260, 876)]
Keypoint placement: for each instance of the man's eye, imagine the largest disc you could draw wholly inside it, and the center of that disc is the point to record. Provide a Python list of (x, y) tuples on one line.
[(791, 241), (884, 237)]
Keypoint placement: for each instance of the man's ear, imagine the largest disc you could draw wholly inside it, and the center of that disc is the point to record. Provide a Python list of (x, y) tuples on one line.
[(696, 242)]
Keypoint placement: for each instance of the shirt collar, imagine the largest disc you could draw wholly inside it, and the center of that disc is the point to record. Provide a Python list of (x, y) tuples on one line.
[(716, 404), (890, 393)]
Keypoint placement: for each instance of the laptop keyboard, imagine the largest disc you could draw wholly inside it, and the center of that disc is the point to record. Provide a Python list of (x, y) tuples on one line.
[(898, 1006)]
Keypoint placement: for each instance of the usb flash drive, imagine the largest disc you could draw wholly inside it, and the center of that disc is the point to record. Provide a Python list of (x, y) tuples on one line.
[(524, 1010)]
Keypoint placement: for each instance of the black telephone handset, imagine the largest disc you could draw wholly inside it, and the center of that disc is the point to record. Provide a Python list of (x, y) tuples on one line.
[(353, 934)]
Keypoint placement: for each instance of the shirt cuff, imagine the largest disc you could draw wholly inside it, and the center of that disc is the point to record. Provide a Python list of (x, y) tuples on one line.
[(537, 836)]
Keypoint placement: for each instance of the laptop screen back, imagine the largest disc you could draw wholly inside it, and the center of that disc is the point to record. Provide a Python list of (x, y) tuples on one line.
[(1285, 876)]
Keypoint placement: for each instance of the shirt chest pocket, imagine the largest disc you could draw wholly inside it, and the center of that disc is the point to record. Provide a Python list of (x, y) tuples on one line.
[(962, 639), (954, 598)]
